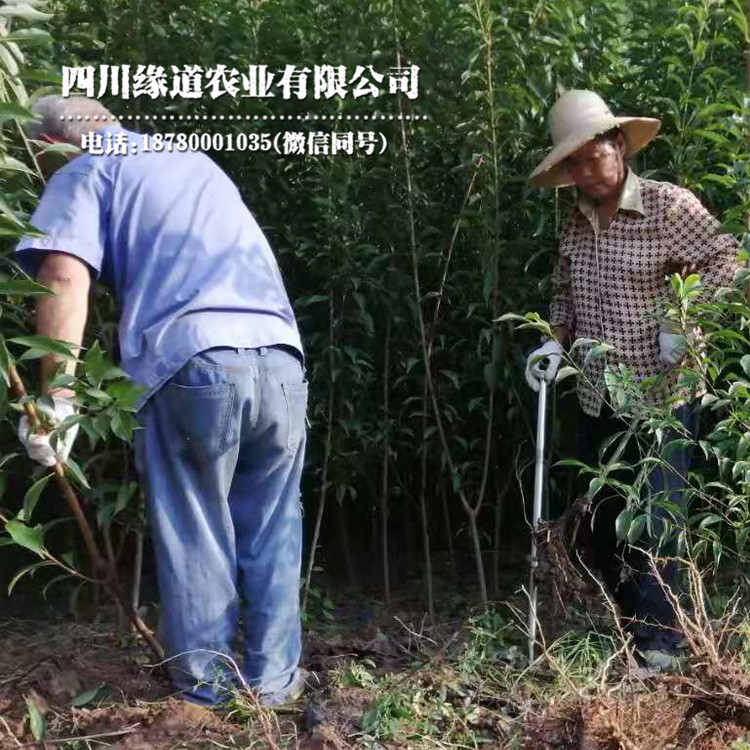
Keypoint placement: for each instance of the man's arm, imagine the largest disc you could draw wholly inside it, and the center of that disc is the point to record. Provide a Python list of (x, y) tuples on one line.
[(64, 315)]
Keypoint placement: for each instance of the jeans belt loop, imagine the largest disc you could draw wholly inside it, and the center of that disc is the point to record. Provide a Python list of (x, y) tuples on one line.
[(263, 350)]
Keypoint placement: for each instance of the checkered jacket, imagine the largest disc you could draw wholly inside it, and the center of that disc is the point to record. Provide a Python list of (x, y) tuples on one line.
[(612, 284)]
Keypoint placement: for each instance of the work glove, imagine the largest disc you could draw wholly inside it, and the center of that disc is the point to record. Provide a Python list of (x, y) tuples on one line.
[(39, 446), (543, 363), (672, 347)]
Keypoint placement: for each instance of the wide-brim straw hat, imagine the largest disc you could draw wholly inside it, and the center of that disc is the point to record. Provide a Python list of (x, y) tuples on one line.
[(576, 118)]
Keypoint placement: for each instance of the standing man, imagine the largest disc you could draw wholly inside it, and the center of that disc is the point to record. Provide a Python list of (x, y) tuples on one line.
[(610, 283), (207, 329)]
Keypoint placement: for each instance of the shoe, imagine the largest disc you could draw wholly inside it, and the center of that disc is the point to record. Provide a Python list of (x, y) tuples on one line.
[(313, 680), (287, 699), (660, 661)]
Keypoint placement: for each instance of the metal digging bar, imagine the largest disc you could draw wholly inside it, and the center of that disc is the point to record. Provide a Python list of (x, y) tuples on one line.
[(539, 478)]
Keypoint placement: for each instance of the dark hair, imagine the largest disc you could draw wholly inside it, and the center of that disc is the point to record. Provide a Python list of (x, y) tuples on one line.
[(610, 136)]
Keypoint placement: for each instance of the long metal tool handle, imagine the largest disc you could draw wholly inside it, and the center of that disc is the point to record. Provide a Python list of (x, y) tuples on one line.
[(539, 473)]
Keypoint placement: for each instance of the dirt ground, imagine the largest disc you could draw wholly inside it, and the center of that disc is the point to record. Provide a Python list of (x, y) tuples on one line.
[(386, 681), (94, 686)]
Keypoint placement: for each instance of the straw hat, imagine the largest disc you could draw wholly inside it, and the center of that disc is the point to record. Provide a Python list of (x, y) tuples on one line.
[(576, 118)]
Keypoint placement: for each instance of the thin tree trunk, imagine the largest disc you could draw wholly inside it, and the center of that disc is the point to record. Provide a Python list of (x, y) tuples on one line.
[(478, 561), (384, 472), (472, 511), (448, 530), (109, 550), (346, 547), (326, 457), (427, 559), (500, 493), (135, 593), (453, 469)]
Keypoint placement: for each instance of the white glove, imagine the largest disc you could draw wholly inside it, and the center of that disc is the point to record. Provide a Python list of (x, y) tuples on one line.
[(672, 347), (543, 363), (40, 446)]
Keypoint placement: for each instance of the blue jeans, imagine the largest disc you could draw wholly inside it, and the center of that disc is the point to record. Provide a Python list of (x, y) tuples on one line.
[(220, 454)]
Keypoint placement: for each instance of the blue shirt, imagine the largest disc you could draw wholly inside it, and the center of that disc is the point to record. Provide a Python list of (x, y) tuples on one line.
[(189, 265)]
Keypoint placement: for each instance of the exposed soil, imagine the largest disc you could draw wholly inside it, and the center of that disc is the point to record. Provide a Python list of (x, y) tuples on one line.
[(46, 668), (131, 706)]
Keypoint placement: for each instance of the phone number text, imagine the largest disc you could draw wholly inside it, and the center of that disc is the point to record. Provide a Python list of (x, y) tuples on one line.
[(287, 143)]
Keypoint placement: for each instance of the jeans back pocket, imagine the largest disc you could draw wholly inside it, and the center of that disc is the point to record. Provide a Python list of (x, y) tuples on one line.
[(295, 395), (201, 414)]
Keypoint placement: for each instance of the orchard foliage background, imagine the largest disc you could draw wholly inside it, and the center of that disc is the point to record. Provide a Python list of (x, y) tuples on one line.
[(398, 264)]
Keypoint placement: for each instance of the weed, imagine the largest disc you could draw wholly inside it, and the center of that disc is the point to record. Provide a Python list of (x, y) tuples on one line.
[(489, 641), (386, 717), (581, 657), (357, 674), (319, 607)]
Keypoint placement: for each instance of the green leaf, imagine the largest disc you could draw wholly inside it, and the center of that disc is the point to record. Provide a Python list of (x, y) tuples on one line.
[(565, 372), (311, 300), (30, 537), (711, 519), (6, 361), (74, 470), (37, 721), (124, 494), (46, 344), (25, 11), (117, 426), (32, 354), (28, 36), (370, 720), (10, 110), (8, 60), (594, 486), (32, 498), (8, 457), (51, 583), (97, 394), (95, 364), (637, 526), (11, 164), (597, 352), (42, 76), (571, 462), (86, 697), (30, 569), (623, 522), (24, 287), (58, 148), (126, 393), (63, 380), (452, 376), (510, 316)]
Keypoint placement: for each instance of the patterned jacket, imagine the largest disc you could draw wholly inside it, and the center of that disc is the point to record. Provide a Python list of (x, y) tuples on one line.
[(612, 284)]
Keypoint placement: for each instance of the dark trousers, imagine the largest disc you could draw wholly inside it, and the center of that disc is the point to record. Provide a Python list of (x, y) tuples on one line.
[(645, 607)]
